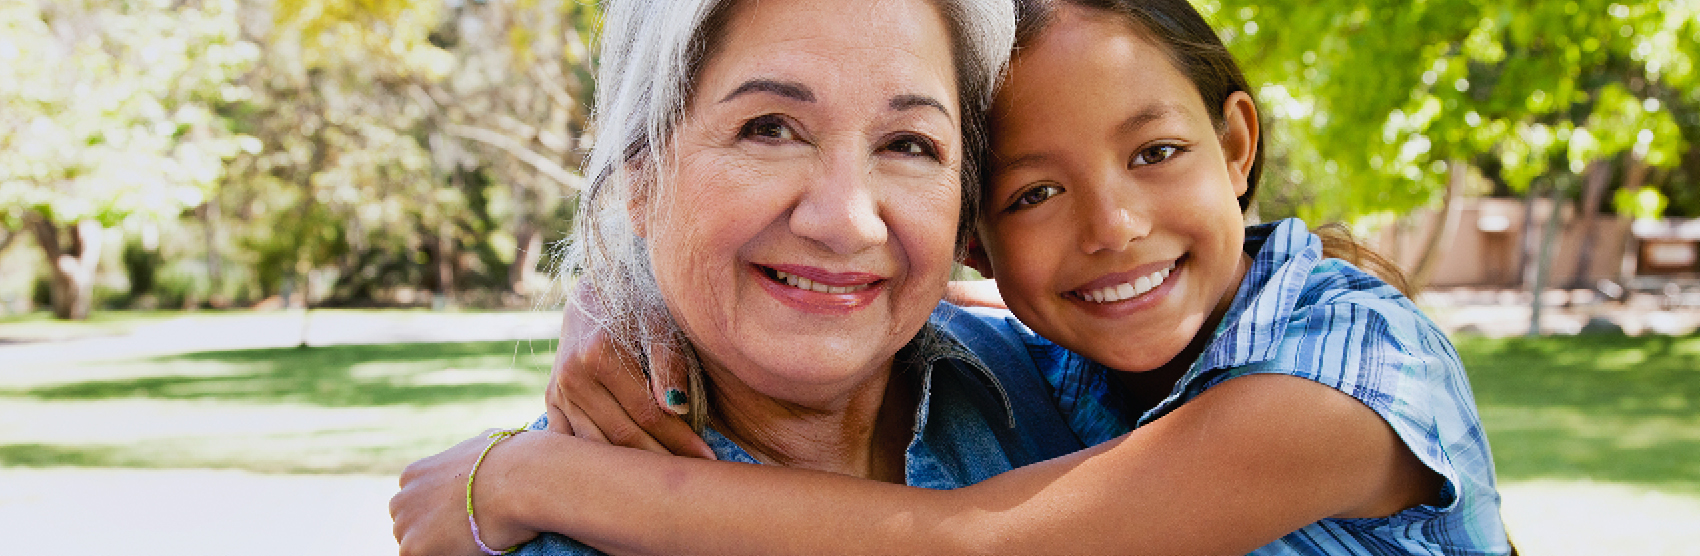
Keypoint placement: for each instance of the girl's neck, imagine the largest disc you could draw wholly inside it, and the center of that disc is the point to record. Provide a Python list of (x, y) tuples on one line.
[(865, 436), (1147, 389)]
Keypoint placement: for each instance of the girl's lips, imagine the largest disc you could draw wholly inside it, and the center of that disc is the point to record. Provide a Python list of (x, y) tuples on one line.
[(1123, 286), (815, 290)]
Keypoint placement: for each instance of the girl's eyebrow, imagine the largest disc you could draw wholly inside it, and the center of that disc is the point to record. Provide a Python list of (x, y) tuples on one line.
[(1147, 114), (1023, 160)]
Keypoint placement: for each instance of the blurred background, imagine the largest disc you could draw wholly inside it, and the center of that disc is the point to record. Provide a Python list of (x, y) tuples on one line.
[(258, 255)]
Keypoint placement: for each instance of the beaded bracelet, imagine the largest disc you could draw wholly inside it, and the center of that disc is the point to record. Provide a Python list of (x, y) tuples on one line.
[(494, 438)]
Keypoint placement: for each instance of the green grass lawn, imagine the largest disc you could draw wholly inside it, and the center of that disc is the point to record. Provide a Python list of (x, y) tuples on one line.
[(337, 409), (1600, 407), (41, 326), (1605, 408)]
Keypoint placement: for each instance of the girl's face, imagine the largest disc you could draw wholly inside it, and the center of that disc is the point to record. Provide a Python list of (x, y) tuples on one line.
[(1111, 223)]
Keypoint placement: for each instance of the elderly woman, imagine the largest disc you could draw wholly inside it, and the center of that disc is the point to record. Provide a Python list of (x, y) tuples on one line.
[(784, 186)]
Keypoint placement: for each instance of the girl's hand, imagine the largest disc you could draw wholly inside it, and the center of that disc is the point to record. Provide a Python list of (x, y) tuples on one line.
[(430, 511), (595, 392)]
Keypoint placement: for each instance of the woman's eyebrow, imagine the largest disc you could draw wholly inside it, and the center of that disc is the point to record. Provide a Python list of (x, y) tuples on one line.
[(906, 102), (788, 89)]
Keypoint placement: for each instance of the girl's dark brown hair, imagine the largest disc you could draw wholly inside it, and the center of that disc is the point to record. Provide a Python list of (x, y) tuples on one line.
[(1195, 50), (1192, 45)]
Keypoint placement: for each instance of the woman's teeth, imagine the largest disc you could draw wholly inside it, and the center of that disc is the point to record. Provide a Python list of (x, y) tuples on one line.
[(802, 283), (1126, 290)]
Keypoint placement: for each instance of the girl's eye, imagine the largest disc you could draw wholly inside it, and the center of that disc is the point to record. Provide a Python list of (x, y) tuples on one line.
[(1155, 154), (769, 127), (910, 145), (1036, 195)]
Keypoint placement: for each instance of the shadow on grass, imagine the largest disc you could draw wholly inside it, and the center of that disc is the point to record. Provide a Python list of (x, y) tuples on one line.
[(367, 461), (338, 376), (46, 455), (1606, 407)]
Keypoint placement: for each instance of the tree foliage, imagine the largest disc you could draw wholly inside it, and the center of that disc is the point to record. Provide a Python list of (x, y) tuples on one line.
[(108, 112), (357, 150), (1369, 100)]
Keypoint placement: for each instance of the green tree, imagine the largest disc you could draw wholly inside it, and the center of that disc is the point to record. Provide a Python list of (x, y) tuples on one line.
[(1378, 107), (411, 143), (107, 113)]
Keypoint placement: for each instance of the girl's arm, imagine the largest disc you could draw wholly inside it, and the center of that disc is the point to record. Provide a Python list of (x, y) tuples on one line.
[(596, 393), (1245, 463)]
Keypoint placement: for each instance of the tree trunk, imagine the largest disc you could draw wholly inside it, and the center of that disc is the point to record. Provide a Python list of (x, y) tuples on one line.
[(1598, 175), (210, 219), (445, 265), (1527, 239), (1543, 260), (1444, 229), (73, 264), (528, 247), (1633, 177), (6, 237)]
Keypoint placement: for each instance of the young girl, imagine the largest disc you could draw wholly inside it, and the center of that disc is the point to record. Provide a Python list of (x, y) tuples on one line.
[(1281, 400)]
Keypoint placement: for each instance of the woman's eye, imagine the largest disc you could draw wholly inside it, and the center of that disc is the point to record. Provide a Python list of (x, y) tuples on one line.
[(912, 146), (769, 127), (1155, 154), (1036, 195)]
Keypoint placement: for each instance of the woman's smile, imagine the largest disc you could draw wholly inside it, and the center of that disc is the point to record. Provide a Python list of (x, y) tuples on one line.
[(816, 290)]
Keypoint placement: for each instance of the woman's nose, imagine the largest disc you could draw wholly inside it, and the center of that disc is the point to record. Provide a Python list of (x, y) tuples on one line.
[(840, 210)]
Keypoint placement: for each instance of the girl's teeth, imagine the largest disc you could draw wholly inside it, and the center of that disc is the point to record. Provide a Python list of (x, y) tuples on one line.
[(802, 283), (1126, 290)]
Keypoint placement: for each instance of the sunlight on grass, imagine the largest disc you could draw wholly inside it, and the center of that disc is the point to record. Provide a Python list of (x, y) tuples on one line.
[(1612, 409), (340, 409), (42, 326), (1607, 408)]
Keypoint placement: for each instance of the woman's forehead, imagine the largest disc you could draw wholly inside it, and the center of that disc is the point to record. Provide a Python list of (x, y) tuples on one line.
[(807, 50)]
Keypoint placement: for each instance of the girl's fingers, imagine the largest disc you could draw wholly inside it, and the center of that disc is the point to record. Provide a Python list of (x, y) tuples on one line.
[(581, 424), (667, 388)]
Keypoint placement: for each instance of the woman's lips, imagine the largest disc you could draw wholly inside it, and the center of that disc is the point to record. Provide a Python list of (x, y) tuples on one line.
[(816, 290), (1124, 286)]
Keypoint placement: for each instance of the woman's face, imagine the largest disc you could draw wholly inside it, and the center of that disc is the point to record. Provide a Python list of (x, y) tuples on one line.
[(805, 225)]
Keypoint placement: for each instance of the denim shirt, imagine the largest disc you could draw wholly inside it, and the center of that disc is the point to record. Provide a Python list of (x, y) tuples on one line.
[(984, 409)]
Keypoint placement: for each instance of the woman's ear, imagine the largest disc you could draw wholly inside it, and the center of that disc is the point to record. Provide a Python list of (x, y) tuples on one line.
[(976, 258), (638, 203), (1239, 138)]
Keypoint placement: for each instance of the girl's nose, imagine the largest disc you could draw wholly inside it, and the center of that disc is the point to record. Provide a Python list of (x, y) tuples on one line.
[(1111, 223)]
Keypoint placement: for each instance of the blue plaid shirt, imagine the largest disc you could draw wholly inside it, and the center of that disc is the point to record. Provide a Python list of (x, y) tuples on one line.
[(1300, 314)]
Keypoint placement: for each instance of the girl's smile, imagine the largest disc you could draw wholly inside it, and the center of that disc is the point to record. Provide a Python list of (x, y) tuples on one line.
[(1123, 286)]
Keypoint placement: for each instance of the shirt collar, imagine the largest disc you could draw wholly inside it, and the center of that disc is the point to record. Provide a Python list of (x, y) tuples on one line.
[(1283, 255), (933, 348)]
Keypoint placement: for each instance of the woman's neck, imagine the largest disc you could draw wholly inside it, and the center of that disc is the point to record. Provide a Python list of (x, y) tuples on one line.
[(864, 434)]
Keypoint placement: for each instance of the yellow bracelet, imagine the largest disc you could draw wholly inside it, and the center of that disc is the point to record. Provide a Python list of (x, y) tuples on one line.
[(494, 438)]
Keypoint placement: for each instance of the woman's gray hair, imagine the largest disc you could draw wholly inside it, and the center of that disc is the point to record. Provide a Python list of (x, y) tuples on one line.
[(651, 53)]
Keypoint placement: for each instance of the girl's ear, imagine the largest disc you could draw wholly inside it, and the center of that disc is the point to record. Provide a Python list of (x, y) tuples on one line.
[(976, 258), (1239, 138)]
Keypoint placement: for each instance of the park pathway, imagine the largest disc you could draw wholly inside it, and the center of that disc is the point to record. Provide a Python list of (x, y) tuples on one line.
[(274, 329)]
